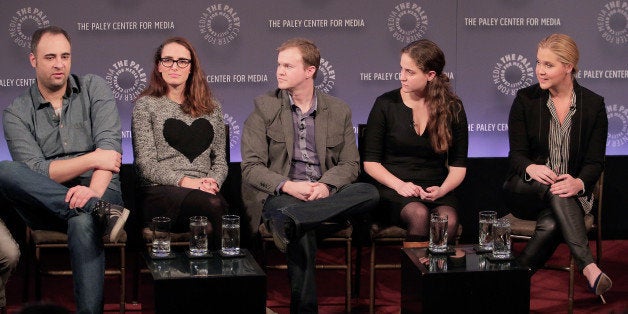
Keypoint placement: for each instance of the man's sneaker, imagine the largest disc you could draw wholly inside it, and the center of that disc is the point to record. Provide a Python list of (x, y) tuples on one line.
[(281, 227), (112, 217)]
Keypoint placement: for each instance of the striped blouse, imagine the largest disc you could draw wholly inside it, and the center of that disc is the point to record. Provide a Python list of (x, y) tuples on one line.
[(559, 141)]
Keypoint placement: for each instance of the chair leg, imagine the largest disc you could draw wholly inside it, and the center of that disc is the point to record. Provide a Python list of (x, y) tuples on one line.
[(27, 265), (372, 280), (37, 274), (348, 278), (137, 275), (122, 279), (598, 249), (571, 283), (358, 272)]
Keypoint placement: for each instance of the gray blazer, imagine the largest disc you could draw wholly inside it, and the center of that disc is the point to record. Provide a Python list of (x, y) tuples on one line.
[(267, 147)]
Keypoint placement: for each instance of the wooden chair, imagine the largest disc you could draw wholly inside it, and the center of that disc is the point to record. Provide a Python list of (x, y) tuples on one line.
[(45, 240), (330, 233), (523, 230)]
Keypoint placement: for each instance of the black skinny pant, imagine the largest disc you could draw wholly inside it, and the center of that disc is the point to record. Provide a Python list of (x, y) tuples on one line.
[(558, 219)]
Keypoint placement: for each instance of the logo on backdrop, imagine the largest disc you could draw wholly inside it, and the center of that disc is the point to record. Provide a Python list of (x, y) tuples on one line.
[(24, 23), (617, 125), (219, 24), (612, 22), (127, 80), (234, 130), (512, 72), (326, 76), (407, 22)]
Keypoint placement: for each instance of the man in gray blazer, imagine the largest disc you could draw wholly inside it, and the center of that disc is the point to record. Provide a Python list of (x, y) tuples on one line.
[(299, 159)]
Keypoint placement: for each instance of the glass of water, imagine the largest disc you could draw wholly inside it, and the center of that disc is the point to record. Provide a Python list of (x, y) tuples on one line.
[(230, 235), (198, 235), (438, 233), (501, 238), (160, 226), (487, 218)]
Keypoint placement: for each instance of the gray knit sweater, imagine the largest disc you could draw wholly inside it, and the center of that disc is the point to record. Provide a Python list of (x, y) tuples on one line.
[(169, 144)]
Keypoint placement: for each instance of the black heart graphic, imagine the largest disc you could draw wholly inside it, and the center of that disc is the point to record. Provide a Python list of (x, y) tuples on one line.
[(190, 140)]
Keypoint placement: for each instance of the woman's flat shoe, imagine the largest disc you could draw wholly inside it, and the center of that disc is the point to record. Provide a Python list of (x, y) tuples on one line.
[(602, 284)]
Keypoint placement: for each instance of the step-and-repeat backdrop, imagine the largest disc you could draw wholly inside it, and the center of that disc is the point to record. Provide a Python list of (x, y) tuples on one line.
[(490, 47)]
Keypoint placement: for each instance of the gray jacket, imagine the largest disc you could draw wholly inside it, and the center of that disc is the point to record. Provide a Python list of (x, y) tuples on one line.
[(267, 147)]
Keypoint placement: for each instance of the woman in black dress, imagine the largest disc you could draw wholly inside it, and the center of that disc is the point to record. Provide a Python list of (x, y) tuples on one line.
[(416, 144)]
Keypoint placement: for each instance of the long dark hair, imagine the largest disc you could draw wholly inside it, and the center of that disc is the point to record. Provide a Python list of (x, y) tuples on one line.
[(443, 104), (198, 96)]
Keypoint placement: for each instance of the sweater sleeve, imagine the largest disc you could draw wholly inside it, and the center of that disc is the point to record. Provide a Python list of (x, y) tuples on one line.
[(218, 161), (145, 150)]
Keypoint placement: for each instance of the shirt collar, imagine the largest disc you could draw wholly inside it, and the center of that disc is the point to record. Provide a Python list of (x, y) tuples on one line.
[(312, 110), (40, 102)]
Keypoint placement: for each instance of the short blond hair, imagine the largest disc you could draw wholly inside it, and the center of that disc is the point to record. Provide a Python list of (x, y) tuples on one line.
[(309, 52), (564, 47)]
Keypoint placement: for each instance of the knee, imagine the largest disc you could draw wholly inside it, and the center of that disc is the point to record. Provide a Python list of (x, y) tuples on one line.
[(415, 214), (82, 230), (7, 169), (218, 205), (9, 259), (368, 191), (13, 258), (546, 224)]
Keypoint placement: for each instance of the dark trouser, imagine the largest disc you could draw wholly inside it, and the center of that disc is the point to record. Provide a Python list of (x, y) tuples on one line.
[(352, 199), (40, 201), (557, 216)]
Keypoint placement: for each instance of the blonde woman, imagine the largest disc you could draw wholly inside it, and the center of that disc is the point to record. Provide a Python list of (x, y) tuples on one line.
[(557, 132)]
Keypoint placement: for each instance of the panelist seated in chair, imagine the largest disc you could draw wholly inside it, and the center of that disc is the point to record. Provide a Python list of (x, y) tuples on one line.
[(416, 144), (64, 137), (557, 131), (179, 142), (299, 158)]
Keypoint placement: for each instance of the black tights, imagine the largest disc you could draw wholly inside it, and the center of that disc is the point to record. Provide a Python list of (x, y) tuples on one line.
[(416, 216)]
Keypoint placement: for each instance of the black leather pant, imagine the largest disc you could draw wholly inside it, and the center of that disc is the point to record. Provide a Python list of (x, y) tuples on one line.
[(558, 219)]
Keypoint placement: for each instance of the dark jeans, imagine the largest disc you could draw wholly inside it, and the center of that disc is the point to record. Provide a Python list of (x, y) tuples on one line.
[(41, 203), (557, 218), (353, 199)]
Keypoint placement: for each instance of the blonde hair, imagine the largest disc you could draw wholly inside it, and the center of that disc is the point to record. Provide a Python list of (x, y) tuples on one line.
[(310, 53), (564, 47)]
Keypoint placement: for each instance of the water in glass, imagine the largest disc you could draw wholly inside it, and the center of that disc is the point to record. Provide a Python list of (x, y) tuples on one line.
[(501, 238), (230, 235), (487, 218), (438, 233), (198, 235)]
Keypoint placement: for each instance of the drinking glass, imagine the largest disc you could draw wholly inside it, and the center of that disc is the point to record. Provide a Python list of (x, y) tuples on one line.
[(230, 235), (438, 233), (160, 227), (501, 238), (487, 218), (198, 236)]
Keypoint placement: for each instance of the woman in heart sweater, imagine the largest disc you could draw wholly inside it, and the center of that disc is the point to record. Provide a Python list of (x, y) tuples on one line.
[(179, 142)]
